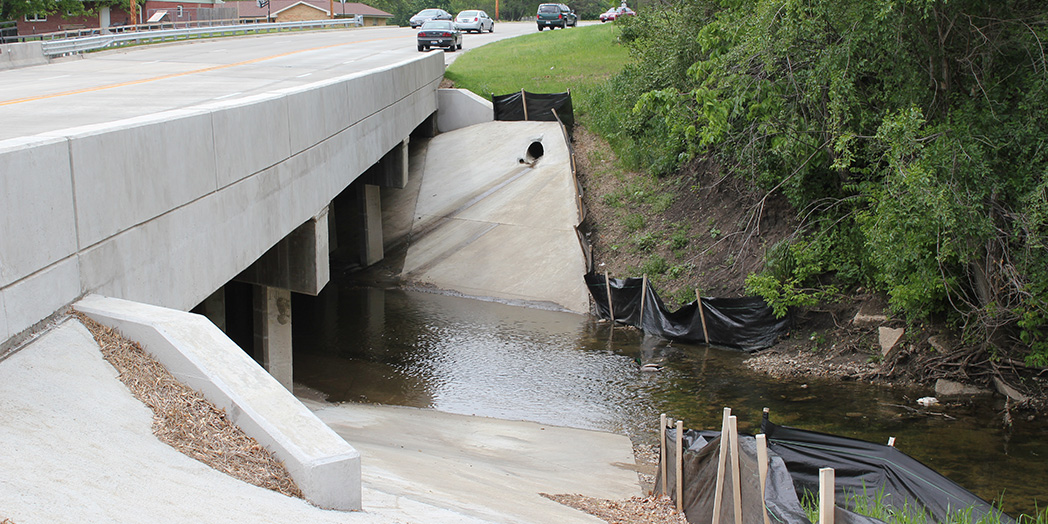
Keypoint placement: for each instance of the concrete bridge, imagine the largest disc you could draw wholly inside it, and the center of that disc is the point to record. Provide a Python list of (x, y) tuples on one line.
[(160, 176)]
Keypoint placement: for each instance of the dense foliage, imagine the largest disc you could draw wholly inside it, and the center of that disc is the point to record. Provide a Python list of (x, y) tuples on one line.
[(909, 135), (14, 9)]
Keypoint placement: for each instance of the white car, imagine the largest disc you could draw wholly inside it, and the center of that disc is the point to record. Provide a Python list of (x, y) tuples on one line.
[(474, 20)]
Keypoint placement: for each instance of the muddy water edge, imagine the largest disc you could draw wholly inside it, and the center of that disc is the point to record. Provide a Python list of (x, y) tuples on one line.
[(359, 342)]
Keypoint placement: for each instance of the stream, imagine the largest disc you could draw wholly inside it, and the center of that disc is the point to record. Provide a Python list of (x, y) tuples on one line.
[(362, 343)]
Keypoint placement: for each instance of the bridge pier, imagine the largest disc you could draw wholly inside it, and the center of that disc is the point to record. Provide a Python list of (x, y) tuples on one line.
[(272, 336), (299, 263)]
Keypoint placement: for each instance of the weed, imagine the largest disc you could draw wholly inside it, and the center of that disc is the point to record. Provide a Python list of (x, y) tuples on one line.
[(679, 239), (646, 242), (613, 200), (680, 269), (634, 222), (656, 265)]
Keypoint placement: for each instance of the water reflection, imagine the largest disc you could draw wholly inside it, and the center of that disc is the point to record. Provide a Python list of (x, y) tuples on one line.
[(367, 344)]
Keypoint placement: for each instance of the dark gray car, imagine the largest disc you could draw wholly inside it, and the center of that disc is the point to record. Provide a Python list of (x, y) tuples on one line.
[(439, 33), (554, 16)]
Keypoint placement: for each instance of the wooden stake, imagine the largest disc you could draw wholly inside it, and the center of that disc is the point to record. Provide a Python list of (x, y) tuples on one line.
[(718, 493), (702, 317), (826, 493), (762, 472), (611, 308), (662, 453), (643, 295), (524, 103), (736, 470), (680, 465)]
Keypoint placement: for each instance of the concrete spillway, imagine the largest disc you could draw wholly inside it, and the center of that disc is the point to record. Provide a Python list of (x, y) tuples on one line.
[(490, 211)]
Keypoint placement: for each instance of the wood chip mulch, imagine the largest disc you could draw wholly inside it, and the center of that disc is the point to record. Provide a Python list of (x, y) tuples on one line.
[(186, 421), (636, 510)]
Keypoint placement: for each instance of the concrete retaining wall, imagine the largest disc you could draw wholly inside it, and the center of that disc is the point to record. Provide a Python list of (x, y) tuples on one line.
[(460, 108), (199, 355), (164, 209), (21, 55)]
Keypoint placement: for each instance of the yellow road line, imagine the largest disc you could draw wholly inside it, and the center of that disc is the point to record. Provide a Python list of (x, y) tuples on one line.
[(185, 73)]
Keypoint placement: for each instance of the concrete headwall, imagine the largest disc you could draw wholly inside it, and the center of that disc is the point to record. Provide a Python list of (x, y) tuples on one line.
[(199, 355), (461, 108), (166, 208), (21, 55)]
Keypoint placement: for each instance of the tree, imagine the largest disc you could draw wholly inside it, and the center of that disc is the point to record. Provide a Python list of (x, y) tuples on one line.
[(905, 133)]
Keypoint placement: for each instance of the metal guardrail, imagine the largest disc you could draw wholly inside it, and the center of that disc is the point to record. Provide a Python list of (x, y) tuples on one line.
[(54, 48)]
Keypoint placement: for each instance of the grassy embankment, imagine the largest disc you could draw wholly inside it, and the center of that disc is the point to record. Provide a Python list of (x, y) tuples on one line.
[(542, 62), (634, 231)]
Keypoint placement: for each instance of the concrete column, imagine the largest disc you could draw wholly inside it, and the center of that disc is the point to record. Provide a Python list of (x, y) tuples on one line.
[(272, 315), (392, 169), (214, 308), (369, 199)]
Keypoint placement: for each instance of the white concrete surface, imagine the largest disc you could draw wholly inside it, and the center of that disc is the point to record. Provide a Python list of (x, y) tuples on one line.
[(486, 225), (461, 108), (22, 54), (486, 468), (77, 447), (326, 468)]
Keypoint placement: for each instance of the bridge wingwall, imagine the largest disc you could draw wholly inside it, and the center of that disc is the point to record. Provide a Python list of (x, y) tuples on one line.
[(166, 208)]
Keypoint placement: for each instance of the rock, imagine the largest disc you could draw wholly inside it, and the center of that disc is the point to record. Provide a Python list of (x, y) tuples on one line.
[(927, 401), (949, 388), (939, 344), (1008, 391), (889, 338), (871, 312)]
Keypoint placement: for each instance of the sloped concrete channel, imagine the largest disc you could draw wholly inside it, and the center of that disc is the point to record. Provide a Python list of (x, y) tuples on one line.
[(490, 211)]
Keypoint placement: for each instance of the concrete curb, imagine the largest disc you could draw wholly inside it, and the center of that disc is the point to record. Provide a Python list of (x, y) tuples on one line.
[(326, 468)]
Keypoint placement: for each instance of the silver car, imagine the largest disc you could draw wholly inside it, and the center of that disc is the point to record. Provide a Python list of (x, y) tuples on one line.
[(474, 20), (426, 15)]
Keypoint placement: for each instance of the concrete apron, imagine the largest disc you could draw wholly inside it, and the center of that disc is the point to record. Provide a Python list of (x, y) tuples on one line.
[(483, 220), (77, 447)]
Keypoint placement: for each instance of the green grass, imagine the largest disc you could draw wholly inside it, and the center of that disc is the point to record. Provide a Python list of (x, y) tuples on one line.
[(546, 62), (873, 505)]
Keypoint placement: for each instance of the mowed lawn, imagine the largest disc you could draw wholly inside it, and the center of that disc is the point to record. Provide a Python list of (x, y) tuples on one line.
[(543, 62)]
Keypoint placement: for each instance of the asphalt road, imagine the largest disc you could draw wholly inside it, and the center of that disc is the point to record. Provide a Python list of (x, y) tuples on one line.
[(113, 85)]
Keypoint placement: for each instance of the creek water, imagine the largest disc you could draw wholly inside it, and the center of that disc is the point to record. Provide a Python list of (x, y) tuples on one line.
[(365, 343)]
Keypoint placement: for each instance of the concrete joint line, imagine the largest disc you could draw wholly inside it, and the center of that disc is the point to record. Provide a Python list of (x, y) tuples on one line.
[(451, 250)]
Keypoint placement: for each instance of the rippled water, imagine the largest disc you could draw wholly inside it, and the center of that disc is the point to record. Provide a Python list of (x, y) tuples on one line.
[(368, 344)]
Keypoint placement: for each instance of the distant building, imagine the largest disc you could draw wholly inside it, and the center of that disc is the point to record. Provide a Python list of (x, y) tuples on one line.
[(301, 10), (190, 12)]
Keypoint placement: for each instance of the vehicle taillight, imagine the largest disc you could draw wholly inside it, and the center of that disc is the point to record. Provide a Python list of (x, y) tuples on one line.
[(446, 34), (559, 16)]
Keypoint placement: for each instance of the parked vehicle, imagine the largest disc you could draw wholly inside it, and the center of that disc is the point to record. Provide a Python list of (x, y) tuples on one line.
[(439, 33), (426, 15), (616, 12), (555, 15), (474, 21)]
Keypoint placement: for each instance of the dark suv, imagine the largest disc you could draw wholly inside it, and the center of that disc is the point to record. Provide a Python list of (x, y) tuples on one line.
[(555, 15)]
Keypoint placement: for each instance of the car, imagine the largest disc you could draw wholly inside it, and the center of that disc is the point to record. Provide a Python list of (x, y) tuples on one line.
[(615, 12), (439, 33), (554, 16), (474, 21), (426, 15)]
